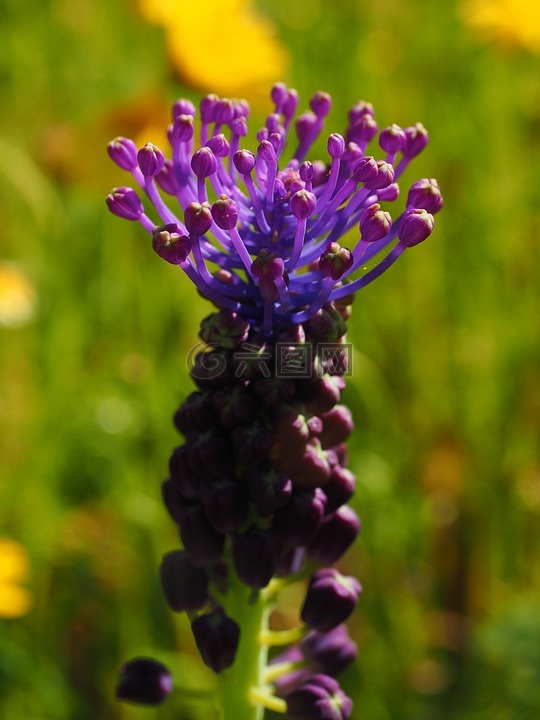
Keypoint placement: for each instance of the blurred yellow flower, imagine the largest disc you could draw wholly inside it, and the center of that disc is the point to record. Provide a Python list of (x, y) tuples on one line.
[(14, 600), (511, 23), (17, 297), (224, 46)]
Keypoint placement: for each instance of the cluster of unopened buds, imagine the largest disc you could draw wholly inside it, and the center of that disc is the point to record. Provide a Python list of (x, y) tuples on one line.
[(260, 487)]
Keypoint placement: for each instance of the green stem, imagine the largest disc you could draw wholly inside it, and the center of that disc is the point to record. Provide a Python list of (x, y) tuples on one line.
[(251, 611)]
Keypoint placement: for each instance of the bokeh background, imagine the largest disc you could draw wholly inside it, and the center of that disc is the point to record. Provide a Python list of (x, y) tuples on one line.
[(94, 331)]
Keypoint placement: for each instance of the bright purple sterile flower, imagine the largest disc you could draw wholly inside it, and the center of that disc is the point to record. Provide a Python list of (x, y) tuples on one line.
[(294, 209), (144, 681), (330, 599), (258, 487)]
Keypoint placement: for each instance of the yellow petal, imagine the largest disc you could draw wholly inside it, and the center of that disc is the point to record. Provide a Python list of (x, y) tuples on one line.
[(226, 47), (17, 297), (14, 601), (508, 22), (13, 562)]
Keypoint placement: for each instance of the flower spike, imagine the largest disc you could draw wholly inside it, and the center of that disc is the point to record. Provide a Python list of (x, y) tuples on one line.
[(258, 487)]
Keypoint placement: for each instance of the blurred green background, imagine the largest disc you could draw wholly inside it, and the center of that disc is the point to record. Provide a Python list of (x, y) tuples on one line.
[(94, 330)]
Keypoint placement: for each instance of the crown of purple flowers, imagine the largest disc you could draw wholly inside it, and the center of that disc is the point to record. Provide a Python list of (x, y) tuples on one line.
[(263, 240)]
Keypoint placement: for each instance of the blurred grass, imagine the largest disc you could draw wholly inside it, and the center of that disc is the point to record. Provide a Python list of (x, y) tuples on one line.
[(446, 384)]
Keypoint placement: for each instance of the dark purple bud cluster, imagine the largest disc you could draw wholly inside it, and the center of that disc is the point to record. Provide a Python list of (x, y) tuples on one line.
[(260, 484)]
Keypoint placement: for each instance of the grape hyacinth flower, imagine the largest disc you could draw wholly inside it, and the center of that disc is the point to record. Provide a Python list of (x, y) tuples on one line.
[(259, 488)]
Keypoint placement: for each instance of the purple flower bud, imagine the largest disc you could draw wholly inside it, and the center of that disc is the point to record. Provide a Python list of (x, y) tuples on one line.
[(363, 130), (241, 109), (290, 104), (320, 173), (185, 586), (306, 171), (166, 178), (335, 261), (203, 544), (225, 328), (183, 128), (389, 193), (274, 391), (337, 426), (195, 413), (374, 223), (335, 535), (210, 369), (298, 521), (385, 176), (307, 464), (236, 405), (170, 244), (330, 599), (305, 125), (144, 681), (415, 226), (321, 103), (339, 489), (210, 454), (182, 474), (125, 203), (365, 169), (303, 204), (207, 107), (267, 265), (223, 111), (244, 161), (219, 145), (417, 139), (279, 94), (276, 139), (252, 442), (336, 145), (327, 325), (266, 151), (318, 698), (216, 637), (239, 126), (392, 139), (225, 213), (322, 393), (273, 123), (123, 152), (203, 162), (359, 110), (225, 504), (173, 500), (329, 653), (255, 555), (268, 489), (150, 159), (262, 134), (198, 218), (425, 194), (182, 106)]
